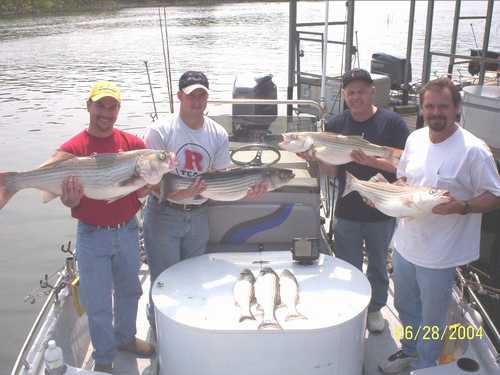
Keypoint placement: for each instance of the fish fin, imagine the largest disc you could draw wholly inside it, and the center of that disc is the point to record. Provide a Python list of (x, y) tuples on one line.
[(6, 191), (408, 202), (295, 316), (130, 181), (246, 317), (349, 181), (379, 177), (47, 196), (269, 324)]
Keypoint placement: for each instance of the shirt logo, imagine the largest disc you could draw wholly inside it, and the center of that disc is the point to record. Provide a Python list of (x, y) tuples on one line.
[(193, 160)]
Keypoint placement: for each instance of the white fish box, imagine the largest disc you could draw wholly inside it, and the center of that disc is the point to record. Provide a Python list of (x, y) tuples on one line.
[(481, 113), (199, 330)]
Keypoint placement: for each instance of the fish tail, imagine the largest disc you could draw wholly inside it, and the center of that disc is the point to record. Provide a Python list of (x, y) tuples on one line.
[(269, 324), (349, 182), (6, 188), (295, 316)]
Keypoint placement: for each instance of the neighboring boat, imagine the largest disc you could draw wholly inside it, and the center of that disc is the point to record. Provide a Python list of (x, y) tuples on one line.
[(198, 331)]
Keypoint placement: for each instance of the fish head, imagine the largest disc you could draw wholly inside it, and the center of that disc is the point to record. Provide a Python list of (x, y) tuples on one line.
[(246, 274), (152, 165), (296, 142), (279, 177), (428, 198)]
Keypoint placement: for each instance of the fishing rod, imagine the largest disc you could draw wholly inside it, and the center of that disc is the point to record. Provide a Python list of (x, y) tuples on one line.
[(155, 115), (166, 59)]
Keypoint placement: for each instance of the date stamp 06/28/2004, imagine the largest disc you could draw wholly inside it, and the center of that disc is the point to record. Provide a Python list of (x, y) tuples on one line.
[(455, 331)]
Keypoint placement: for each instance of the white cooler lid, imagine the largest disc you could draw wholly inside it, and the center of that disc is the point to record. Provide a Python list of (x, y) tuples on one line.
[(198, 292)]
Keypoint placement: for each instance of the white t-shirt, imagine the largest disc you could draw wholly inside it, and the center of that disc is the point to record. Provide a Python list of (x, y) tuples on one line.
[(197, 150), (463, 165)]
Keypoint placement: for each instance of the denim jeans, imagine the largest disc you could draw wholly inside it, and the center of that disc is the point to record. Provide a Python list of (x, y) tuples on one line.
[(422, 297), (349, 236), (108, 261), (171, 235)]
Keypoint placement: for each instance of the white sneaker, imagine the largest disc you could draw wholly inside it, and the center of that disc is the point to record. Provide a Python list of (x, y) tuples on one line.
[(375, 322), (397, 362)]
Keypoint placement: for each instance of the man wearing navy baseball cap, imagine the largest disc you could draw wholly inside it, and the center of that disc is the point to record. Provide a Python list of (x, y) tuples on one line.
[(177, 228), (359, 227)]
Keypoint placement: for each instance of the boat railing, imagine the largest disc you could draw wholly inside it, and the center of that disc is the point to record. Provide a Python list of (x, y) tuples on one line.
[(21, 360)]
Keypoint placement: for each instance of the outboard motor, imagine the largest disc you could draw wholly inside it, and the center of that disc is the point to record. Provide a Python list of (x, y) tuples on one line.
[(248, 118), (391, 66)]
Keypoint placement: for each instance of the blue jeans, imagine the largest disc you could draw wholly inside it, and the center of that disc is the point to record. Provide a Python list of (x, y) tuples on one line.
[(349, 236), (171, 235), (422, 297), (108, 261)]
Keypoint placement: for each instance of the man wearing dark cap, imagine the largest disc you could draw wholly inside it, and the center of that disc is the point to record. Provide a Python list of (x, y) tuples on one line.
[(358, 225), (177, 228)]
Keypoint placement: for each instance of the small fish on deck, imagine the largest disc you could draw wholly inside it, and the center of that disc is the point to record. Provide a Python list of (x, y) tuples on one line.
[(267, 293), (244, 295), (289, 295)]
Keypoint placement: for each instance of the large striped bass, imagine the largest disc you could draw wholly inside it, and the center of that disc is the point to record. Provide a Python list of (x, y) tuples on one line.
[(397, 200), (333, 148), (103, 176), (229, 185)]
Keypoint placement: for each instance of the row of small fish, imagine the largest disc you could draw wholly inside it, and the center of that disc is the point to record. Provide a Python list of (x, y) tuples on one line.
[(269, 291)]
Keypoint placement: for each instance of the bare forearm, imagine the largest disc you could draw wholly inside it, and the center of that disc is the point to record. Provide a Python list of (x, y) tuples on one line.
[(328, 169), (384, 165), (483, 203)]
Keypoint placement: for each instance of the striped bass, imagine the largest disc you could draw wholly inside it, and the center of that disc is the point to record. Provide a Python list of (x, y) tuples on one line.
[(397, 200), (333, 148), (103, 176), (243, 293), (229, 185), (267, 293), (289, 295)]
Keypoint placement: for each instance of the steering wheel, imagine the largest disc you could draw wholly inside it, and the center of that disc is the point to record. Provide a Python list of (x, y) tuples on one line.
[(257, 160)]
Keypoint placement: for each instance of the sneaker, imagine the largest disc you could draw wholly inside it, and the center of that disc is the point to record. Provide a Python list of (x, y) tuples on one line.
[(397, 362), (375, 322), (139, 348), (104, 367)]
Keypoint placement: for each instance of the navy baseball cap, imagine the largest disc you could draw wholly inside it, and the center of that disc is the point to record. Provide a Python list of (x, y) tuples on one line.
[(356, 75), (192, 80)]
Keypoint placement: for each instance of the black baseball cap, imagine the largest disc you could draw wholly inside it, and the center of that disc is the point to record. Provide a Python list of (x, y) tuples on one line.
[(356, 75), (192, 80)]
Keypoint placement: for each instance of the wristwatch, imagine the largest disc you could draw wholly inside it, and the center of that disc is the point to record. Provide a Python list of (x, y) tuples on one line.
[(467, 208)]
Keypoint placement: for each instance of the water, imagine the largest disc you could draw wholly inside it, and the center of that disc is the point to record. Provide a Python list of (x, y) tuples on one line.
[(47, 64)]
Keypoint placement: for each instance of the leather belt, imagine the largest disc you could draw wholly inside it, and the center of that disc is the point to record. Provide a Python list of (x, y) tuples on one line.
[(185, 207), (114, 226)]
